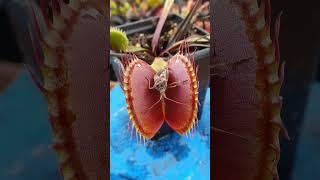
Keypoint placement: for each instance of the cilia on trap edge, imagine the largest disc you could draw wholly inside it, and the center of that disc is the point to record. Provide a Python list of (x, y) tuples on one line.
[(164, 91)]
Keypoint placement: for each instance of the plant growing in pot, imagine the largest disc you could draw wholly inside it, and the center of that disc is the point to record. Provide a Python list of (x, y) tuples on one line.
[(155, 49)]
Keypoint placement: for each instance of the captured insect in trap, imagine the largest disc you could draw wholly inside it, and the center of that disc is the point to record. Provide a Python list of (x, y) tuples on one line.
[(166, 93)]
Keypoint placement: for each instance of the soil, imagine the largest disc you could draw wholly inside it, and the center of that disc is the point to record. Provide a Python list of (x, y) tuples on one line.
[(144, 40)]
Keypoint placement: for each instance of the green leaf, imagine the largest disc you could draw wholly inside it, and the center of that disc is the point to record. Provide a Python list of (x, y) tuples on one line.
[(133, 49)]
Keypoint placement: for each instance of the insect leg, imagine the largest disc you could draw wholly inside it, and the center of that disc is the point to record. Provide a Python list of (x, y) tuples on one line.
[(229, 133), (154, 104), (149, 84), (164, 95), (175, 84)]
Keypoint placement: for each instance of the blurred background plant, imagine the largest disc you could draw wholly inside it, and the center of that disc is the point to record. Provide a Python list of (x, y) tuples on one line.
[(132, 10), (122, 12)]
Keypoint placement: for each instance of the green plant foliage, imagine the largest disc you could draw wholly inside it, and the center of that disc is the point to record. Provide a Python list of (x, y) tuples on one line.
[(118, 39), (113, 8), (119, 7), (154, 3)]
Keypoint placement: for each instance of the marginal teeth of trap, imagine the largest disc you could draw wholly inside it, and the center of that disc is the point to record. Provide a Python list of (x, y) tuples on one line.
[(131, 132), (126, 74), (253, 9), (51, 82), (53, 106), (193, 75), (129, 111), (126, 80), (131, 116), (260, 24), (195, 86), (266, 42), (136, 134), (197, 122), (51, 59), (53, 39)]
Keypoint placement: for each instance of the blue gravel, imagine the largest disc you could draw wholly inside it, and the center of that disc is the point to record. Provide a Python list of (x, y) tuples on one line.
[(170, 157)]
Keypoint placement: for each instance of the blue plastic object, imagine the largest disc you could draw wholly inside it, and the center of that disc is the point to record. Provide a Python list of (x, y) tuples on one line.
[(171, 157)]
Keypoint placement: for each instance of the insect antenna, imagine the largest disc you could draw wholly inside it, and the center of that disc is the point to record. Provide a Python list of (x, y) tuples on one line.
[(153, 105), (176, 84), (229, 133), (164, 96)]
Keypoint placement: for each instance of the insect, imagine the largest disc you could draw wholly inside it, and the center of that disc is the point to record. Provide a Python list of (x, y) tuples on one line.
[(168, 94), (161, 85)]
